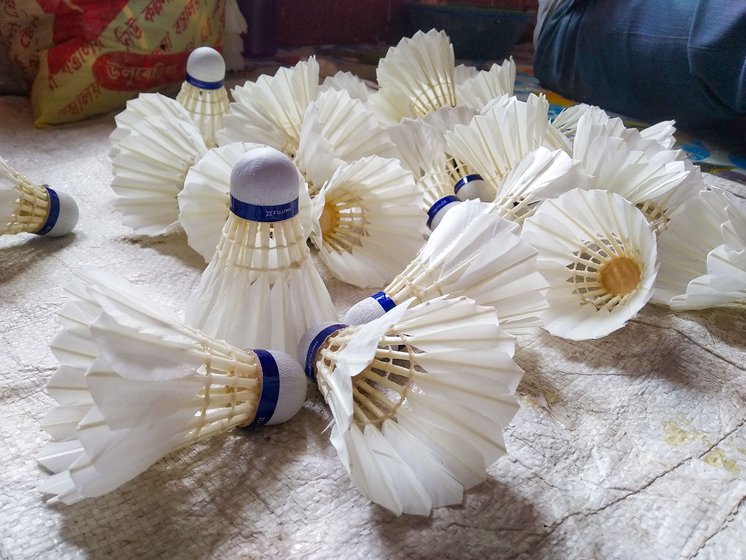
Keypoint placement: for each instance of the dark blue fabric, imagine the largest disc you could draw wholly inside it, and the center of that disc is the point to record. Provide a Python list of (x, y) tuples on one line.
[(650, 59)]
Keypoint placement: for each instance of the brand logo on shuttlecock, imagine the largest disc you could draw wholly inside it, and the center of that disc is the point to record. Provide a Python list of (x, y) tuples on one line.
[(278, 213)]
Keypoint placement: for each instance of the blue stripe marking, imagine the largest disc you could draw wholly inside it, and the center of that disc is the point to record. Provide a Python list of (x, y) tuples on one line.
[(464, 180), (54, 212), (257, 213), (270, 388), (384, 301), (313, 348), (204, 85), (439, 205)]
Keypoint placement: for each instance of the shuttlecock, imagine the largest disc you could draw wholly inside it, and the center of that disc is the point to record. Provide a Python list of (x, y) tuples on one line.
[(270, 111), (135, 384), (539, 175), (472, 253), (235, 28), (337, 129), (416, 77), (203, 92), (598, 254), (204, 202), (149, 172), (356, 87), (419, 398), (261, 288), (701, 253), (142, 106), (478, 90), (26, 207), (656, 179), (492, 144), (367, 221)]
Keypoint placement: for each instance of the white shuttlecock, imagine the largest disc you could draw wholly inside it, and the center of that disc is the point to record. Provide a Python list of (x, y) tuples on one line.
[(270, 111), (492, 144), (135, 384), (26, 207), (477, 91), (144, 105), (472, 253), (204, 202), (598, 254), (150, 169), (337, 129), (419, 398), (539, 175), (261, 288), (416, 77), (235, 28), (367, 221), (356, 87), (696, 248), (203, 92), (656, 179)]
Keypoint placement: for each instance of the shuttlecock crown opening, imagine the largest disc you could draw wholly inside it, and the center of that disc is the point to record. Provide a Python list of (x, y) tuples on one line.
[(205, 68), (264, 186), (283, 388), (311, 341)]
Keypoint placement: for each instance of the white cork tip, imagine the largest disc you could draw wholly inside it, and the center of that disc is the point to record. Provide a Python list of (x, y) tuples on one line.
[(293, 385), (67, 218), (364, 311), (265, 177), (206, 65)]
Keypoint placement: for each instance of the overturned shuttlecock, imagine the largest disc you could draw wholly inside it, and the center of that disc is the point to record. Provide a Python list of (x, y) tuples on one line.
[(419, 397), (270, 111), (261, 288), (149, 169), (204, 202), (26, 207), (135, 384), (367, 221), (703, 253), (598, 254), (203, 93), (473, 253)]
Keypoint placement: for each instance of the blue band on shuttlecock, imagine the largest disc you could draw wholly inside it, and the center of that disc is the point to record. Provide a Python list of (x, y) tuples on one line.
[(464, 180), (257, 213), (203, 85), (438, 206), (313, 348), (270, 388), (54, 212), (384, 301)]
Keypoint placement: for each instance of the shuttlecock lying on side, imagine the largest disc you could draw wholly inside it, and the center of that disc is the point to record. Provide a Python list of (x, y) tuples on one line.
[(261, 288), (26, 207), (473, 253), (203, 92), (270, 111), (367, 221), (598, 254), (355, 86), (702, 253), (135, 384), (415, 77), (204, 202), (149, 172), (419, 397)]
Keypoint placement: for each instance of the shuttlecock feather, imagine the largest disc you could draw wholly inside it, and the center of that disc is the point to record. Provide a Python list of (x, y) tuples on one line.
[(477, 91), (261, 288), (26, 207), (270, 111), (203, 92), (419, 397), (473, 253), (204, 202), (356, 87), (135, 384), (598, 254), (368, 222), (150, 169), (416, 77)]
